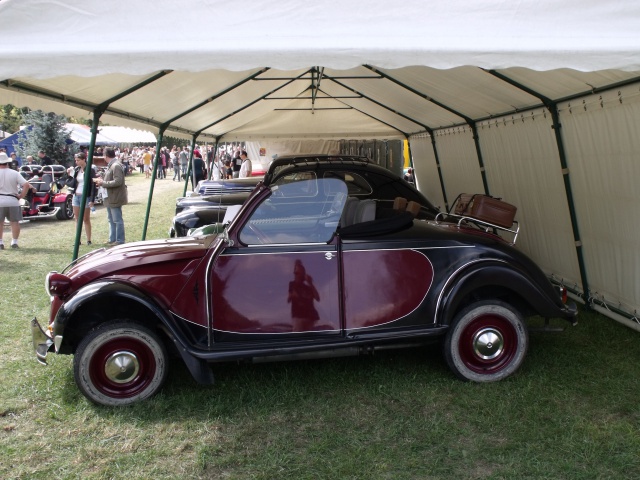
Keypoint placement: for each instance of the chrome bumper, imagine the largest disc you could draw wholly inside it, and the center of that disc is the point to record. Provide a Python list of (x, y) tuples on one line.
[(41, 341)]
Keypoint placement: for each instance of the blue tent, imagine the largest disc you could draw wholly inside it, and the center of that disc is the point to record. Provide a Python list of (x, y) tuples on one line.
[(78, 134), (10, 143)]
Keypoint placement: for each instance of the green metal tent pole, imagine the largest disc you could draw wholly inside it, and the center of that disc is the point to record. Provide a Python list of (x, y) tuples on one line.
[(439, 168), (188, 174), (476, 142), (97, 113), (153, 182), (87, 182), (552, 106)]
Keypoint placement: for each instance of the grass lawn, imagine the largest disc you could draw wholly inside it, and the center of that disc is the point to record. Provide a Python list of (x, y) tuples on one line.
[(572, 412)]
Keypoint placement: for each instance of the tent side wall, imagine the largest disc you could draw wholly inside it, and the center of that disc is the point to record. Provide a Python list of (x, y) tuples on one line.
[(522, 165), (605, 171)]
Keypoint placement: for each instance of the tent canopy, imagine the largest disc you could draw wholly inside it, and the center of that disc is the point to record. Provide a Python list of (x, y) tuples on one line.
[(534, 101), (236, 71)]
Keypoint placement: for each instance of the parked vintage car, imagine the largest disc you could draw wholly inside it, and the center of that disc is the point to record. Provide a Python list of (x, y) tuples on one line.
[(221, 187), (200, 211), (304, 270), (364, 180)]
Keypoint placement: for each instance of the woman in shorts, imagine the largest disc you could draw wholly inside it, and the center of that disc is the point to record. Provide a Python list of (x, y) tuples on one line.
[(77, 184)]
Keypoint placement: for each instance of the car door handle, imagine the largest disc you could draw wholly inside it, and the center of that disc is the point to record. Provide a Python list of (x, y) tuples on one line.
[(329, 255)]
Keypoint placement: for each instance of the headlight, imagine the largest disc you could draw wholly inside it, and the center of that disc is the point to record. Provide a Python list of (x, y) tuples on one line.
[(57, 284)]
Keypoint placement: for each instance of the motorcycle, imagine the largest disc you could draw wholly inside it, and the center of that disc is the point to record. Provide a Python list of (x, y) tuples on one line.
[(48, 200)]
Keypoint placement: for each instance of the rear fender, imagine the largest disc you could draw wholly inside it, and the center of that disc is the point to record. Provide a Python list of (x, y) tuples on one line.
[(499, 275)]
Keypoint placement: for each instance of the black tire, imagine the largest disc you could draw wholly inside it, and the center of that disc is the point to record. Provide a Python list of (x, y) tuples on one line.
[(487, 342), (120, 363), (66, 209)]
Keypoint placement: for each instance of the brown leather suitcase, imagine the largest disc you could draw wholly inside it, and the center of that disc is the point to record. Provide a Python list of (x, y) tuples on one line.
[(492, 210), (462, 206)]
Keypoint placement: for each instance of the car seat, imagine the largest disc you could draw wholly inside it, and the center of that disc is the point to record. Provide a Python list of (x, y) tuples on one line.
[(366, 211), (349, 212), (44, 186)]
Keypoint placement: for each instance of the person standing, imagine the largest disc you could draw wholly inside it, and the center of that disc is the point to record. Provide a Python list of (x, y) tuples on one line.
[(115, 197), (237, 164), (78, 186), (198, 167), (175, 163), (10, 183), (16, 163), (216, 168), (184, 162), (146, 160), (44, 158), (246, 167)]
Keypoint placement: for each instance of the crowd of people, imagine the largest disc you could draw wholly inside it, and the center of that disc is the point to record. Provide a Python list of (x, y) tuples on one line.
[(228, 161)]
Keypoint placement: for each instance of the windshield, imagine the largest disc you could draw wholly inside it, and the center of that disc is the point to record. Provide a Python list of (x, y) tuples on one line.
[(304, 209)]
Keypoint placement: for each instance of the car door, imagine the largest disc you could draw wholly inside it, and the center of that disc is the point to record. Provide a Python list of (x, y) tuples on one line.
[(281, 278), (384, 285)]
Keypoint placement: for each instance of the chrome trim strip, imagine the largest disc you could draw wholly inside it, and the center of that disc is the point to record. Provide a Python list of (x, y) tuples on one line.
[(187, 320), (406, 248), (219, 244), (336, 332), (283, 252), (284, 244)]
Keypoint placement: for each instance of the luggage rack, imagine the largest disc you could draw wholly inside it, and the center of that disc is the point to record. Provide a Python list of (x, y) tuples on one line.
[(482, 224)]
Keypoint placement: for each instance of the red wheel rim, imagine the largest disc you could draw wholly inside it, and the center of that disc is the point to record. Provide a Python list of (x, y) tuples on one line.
[(488, 344), (122, 368)]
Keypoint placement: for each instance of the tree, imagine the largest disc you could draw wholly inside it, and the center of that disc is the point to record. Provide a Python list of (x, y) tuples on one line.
[(46, 131), (11, 118)]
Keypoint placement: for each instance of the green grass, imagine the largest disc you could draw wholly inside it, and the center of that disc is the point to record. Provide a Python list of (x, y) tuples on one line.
[(572, 412)]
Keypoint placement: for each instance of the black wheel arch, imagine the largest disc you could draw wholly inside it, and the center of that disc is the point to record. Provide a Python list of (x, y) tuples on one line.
[(496, 280), (98, 302), (103, 301)]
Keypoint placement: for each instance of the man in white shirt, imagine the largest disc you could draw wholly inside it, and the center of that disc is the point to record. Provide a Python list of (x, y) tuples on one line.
[(245, 169), (10, 183)]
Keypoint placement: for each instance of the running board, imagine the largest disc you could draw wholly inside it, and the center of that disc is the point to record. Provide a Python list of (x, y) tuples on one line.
[(547, 328)]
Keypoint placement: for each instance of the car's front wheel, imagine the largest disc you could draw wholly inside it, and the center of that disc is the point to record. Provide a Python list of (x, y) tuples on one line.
[(487, 341), (66, 209), (120, 363)]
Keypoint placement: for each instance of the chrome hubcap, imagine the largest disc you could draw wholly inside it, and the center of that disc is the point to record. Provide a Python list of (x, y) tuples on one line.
[(488, 343), (122, 367)]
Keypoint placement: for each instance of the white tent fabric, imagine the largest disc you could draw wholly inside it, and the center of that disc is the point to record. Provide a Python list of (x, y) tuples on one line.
[(284, 71), (81, 134), (124, 135), (285, 34)]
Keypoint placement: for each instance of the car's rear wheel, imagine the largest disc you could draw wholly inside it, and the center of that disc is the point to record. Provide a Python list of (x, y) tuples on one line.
[(120, 363), (66, 209), (487, 341)]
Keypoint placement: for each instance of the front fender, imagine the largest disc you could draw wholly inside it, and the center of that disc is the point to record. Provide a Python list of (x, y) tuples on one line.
[(537, 293), (105, 294)]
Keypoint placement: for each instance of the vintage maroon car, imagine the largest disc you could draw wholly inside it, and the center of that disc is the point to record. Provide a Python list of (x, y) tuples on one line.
[(304, 270)]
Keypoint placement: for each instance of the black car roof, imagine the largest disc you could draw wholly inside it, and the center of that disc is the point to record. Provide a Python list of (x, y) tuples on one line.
[(292, 161)]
